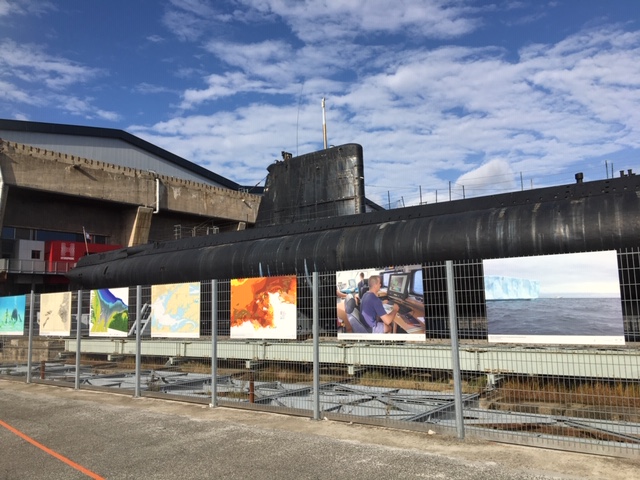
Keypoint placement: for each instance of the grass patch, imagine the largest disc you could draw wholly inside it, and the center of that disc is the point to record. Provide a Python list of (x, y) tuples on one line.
[(593, 393)]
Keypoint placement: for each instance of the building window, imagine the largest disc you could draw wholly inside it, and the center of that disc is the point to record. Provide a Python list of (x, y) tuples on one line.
[(47, 235), (35, 254), (9, 233)]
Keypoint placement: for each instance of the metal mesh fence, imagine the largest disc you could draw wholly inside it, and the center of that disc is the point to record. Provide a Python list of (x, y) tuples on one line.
[(13, 340), (172, 363), (573, 384), (469, 299), (382, 371), (273, 372), (629, 271), (554, 369), (563, 397)]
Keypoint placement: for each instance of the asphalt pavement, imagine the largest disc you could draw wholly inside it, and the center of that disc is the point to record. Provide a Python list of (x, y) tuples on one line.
[(49, 432)]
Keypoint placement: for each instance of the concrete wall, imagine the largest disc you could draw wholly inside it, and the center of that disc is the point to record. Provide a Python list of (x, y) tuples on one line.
[(113, 151), (55, 191)]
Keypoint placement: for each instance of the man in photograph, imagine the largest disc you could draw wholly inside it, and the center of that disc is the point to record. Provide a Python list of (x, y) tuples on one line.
[(373, 311)]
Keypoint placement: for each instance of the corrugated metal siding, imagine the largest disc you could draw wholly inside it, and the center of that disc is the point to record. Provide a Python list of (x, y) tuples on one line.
[(109, 150)]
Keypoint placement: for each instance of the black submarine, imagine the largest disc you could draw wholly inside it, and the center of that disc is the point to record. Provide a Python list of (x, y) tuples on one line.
[(312, 219)]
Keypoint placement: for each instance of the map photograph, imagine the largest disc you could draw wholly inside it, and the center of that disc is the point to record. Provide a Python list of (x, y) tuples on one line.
[(109, 316), (175, 310), (55, 314)]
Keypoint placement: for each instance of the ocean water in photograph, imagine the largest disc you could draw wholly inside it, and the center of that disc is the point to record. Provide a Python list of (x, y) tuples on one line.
[(555, 316)]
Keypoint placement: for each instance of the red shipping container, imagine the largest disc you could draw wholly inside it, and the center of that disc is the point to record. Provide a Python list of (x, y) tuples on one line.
[(62, 256)]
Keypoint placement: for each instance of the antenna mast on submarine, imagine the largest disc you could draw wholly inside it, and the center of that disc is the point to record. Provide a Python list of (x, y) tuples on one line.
[(324, 125)]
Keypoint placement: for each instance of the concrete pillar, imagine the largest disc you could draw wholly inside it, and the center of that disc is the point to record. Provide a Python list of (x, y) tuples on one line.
[(139, 226)]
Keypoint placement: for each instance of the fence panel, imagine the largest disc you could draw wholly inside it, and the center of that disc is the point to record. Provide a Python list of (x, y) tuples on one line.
[(383, 372), (264, 344), (14, 330), (554, 370), (176, 359)]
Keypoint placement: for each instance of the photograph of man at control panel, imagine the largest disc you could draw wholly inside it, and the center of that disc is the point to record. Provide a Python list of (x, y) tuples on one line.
[(381, 303)]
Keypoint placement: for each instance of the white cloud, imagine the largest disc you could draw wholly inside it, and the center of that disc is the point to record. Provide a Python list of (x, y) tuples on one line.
[(220, 86), (190, 19), (31, 64), (185, 26), (83, 107), (107, 115), (247, 55), (281, 68), (239, 145), (148, 89), (494, 176), (200, 8), (328, 20), (453, 108), (426, 111), (155, 39), (25, 7), (450, 97), (5, 8), (12, 93), (39, 79)]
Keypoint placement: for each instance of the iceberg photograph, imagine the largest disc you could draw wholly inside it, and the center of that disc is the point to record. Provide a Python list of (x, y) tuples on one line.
[(554, 299)]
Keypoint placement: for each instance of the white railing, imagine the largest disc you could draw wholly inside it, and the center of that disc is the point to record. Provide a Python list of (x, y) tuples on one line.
[(11, 265)]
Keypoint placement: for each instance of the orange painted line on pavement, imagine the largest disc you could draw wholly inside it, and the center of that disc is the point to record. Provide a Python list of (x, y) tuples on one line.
[(62, 458)]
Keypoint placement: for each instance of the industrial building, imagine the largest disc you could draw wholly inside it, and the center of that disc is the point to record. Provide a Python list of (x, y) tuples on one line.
[(68, 191)]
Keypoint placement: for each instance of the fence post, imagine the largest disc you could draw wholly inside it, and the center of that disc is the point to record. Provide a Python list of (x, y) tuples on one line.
[(455, 353), (214, 343), (78, 336), (136, 393), (30, 344), (316, 348)]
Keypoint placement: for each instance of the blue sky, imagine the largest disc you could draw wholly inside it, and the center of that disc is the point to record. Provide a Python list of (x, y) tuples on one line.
[(489, 96)]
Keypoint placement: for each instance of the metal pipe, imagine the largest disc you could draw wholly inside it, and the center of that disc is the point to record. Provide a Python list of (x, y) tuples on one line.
[(316, 346), (136, 392), (157, 206), (252, 389), (78, 337), (455, 352), (214, 343), (30, 345), (324, 125)]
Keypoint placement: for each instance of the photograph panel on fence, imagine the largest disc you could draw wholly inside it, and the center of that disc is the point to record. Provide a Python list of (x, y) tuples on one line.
[(555, 299), (109, 315), (381, 304), (55, 314), (175, 310), (264, 307), (12, 313)]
